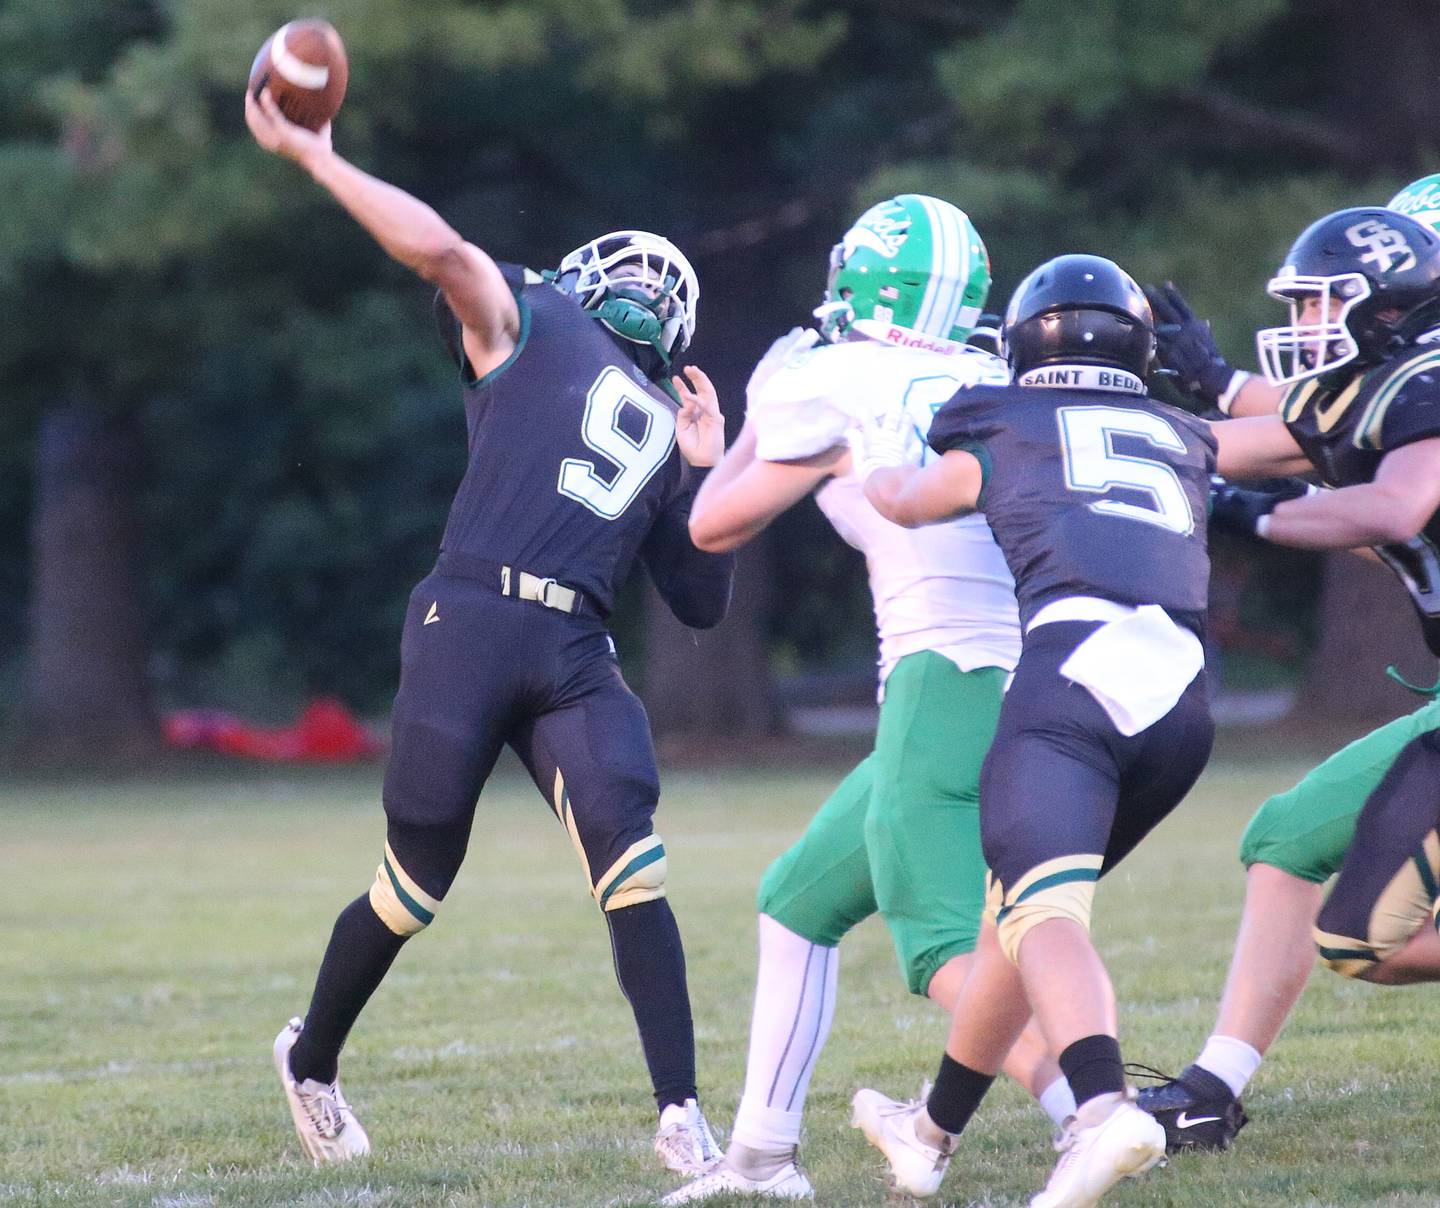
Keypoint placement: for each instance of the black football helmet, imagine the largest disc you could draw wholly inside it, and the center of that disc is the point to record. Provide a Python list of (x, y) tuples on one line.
[(1079, 310), (1375, 277)]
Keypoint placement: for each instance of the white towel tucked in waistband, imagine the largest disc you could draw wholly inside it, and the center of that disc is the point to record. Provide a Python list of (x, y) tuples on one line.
[(1136, 666)]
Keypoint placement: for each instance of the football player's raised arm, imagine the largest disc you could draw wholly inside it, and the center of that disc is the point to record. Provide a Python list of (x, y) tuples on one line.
[(407, 229), (743, 494), (1186, 347), (1391, 509), (911, 496), (1258, 447)]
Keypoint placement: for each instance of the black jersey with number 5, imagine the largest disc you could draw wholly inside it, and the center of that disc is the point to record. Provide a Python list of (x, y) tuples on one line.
[(1090, 493), (573, 468)]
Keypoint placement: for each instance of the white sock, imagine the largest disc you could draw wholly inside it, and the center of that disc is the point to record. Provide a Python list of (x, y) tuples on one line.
[(1058, 1101), (794, 1003), (1232, 1061)]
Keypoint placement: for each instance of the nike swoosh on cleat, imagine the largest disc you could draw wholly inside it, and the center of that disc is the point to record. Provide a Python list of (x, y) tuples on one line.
[(1184, 1121)]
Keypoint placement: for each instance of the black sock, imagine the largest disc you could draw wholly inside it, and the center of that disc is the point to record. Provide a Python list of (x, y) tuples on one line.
[(957, 1093), (1092, 1067), (360, 953), (650, 966)]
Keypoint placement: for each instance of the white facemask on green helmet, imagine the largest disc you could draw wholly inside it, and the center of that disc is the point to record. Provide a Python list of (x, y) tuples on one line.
[(912, 271)]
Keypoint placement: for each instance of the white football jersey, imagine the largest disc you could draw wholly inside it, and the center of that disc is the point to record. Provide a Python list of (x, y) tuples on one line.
[(944, 587)]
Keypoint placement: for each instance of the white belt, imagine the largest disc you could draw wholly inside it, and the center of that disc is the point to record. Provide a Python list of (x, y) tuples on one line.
[(1137, 665), (1080, 608), (525, 586)]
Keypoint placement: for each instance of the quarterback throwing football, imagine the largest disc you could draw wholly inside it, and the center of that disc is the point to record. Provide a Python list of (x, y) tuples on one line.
[(579, 461)]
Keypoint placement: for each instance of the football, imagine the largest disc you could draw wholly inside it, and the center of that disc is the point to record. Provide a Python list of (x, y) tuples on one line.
[(304, 66)]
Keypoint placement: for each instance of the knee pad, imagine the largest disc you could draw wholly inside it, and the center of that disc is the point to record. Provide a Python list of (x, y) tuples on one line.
[(994, 898), (1063, 888), (1405, 905), (637, 876), (1344, 955), (401, 904)]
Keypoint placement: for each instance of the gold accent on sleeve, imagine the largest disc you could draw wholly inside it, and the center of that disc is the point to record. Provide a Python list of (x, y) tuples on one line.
[(1292, 403), (1329, 414), (1367, 431)]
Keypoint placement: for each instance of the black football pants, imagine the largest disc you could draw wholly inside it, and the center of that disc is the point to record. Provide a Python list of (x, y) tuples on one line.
[(479, 671)]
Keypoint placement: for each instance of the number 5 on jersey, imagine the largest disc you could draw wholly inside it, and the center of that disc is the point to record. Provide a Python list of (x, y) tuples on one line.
[(635, 458), (1087, 441)]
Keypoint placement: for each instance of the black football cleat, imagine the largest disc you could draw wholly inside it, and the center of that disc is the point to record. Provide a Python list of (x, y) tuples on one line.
[(1196, 1109)]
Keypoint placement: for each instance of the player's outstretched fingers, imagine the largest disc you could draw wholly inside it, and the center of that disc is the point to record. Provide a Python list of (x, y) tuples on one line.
[(699, 377), (701, 389), (700, 427)]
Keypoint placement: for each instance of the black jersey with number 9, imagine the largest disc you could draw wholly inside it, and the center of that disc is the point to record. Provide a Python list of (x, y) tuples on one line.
[(572, 457)]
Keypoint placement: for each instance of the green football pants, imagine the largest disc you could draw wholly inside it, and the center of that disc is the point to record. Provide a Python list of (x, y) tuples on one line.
[(901, 833), (1307, 830)]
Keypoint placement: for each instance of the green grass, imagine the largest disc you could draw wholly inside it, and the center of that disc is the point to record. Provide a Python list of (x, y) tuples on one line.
[(156, 936)]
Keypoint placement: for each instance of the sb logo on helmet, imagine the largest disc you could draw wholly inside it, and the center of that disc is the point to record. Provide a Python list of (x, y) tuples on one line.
[(1386, 248)]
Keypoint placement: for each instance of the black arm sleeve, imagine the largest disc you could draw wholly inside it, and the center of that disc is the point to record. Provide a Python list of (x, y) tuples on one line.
[(695, 585)]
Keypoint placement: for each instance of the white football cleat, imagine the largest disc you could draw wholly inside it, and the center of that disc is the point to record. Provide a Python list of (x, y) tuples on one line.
[(684, 1141), (1126, 1143), (889, 1124), (328, 1130), (789, 1183)]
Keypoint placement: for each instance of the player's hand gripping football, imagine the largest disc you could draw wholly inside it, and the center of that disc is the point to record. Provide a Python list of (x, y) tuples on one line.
[(699, 426), (277, 134)]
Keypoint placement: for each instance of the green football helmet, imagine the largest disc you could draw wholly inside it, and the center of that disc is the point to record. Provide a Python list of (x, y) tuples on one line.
[(1420, 199), (912, 270)]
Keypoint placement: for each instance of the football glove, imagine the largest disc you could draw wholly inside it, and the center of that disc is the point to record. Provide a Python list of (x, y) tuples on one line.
[(1239, 510), (1187, 349), (882, 440), (778, 355)]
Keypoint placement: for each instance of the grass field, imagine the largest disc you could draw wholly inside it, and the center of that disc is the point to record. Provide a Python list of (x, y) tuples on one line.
[(157, 936)]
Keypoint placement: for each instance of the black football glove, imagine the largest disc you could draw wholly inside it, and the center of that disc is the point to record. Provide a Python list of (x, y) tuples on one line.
[(1186, 348), (1238, 510)]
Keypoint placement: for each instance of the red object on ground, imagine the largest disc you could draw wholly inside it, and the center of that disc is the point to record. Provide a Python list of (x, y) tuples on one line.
[(325, 732)]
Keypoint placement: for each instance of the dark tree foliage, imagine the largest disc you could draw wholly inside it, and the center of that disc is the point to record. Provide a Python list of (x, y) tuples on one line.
[(296, 431)]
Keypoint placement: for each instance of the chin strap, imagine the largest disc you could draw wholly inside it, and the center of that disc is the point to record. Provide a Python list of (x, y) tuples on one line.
[(835, 319), (1394, 674)]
